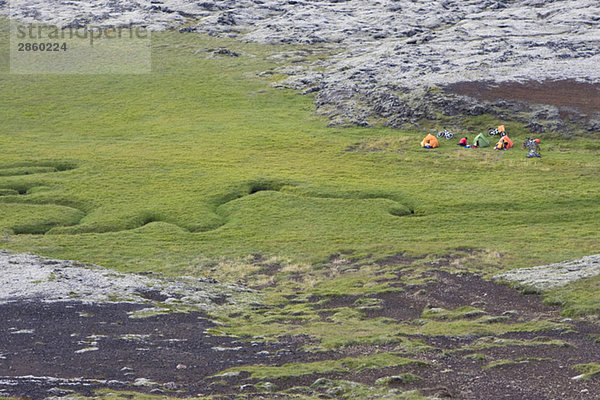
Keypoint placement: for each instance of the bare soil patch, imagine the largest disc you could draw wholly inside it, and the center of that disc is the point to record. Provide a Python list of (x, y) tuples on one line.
[(564, 94), (530, 365), (45, 349)]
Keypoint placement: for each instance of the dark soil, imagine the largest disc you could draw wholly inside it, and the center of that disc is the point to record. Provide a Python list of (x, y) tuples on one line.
[(42, 342), (538, 371), (565, 94)]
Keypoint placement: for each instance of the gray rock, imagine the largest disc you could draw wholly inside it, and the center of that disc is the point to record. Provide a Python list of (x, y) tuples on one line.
[(383, 48), (554, 275), (171, 386), (29, 277)]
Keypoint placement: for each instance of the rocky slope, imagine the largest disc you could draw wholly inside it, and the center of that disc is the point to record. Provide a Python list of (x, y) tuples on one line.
[(395, 60)]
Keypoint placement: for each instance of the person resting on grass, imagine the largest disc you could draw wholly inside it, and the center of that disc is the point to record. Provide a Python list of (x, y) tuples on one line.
[(504, 143), (463, 142)]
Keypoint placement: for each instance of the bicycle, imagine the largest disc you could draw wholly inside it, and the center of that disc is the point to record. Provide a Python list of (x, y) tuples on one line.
[(445, 134), (498, 131)]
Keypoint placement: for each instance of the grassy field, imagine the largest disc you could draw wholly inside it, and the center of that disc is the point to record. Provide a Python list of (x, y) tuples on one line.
[(202, 159), (202, 168)]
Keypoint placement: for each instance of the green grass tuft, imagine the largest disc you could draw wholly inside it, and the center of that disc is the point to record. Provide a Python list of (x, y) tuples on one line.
[(345, 365), (587, 371)]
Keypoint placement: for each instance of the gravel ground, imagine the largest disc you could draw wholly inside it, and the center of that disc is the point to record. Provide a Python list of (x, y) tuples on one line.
[(64, 347)]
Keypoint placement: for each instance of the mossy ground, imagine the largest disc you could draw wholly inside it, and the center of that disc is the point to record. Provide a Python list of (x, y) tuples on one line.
[(202, 168)]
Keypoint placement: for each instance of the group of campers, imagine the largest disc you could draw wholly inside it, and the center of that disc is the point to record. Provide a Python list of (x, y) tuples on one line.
[(505, 143)]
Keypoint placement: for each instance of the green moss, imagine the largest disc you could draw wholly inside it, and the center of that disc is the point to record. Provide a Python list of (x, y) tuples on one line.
[(490, 342), (459, 313), (345, 365), (578, 298), (508, 362), (202, 157), (467, 327), (587, 370), (343, 389), (108, 394), (476, 356)]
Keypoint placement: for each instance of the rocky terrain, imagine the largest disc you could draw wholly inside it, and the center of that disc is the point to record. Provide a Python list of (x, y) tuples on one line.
[(25, 277), (395, 62), (551, 276), (70, 329)]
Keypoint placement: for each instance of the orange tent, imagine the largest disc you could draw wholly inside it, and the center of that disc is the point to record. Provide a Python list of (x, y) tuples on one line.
[(504, 143), (430, 141)]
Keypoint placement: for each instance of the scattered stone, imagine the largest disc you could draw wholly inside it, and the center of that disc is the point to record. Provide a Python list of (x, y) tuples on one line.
[(510, 313), (144, 382), (56, 391), (86, 349), (217, 348), (228, 374), (247, 388), (398, 379), (171, 386), (23, 331), (225, 52), (322, 383)]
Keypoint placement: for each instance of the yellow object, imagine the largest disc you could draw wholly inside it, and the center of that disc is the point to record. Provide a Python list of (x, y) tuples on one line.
[(504, 143)]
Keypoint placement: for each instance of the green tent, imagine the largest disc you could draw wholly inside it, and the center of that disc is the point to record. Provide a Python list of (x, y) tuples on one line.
[(481, 141)]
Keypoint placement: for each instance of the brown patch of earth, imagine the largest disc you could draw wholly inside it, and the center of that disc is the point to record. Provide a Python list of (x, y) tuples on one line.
[(564, 94), (45, 349)]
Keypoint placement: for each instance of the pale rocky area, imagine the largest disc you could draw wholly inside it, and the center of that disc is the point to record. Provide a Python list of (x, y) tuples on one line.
[(26, 277), (551, 276), (389, 61)]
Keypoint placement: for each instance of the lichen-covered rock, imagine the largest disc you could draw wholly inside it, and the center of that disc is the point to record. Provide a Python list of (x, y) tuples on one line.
[(386, 53), (29, 277), (554, 275)]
